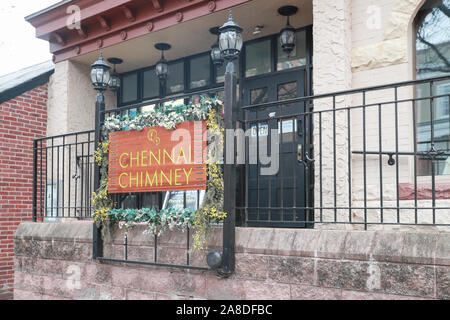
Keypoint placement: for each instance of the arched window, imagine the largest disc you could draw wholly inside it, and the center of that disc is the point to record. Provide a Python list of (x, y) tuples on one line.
[(433, 60)]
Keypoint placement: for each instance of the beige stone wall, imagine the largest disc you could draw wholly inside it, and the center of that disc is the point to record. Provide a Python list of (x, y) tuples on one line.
[(72, 99), (360, 44)]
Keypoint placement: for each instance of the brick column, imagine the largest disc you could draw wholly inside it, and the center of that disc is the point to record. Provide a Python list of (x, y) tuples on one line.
[(22, 120)]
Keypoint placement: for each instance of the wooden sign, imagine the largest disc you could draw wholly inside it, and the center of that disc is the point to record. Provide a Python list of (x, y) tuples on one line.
[(157, 159)]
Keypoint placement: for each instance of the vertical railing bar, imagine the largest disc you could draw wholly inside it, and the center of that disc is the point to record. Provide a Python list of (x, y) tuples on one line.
[(82, 181), (53, 182), (57, 179), (433, 163), (247, 159), (34, 213), (365, 160), (321, 166), (63, 176), (156, 249), (76, 176), (295, 160), (280, 123), (70, 179), (334, 158), (349, 138), (397, 165), (380, 145), (43, 188), (415, 160)]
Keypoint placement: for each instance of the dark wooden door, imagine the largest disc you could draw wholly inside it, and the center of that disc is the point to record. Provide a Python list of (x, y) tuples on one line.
[(274, 200)]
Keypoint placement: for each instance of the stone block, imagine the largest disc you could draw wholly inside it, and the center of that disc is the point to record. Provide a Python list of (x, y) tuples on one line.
[(259, 240), (358, 245), (258, 290), (342, 274), (407, 280), (443, 283), (419, 248), (388, 246), (331, 244), (97, 273), (251, 266), (302, 292), (443, 250), (359, 295), (26, 295), (293, 270), (140, 295), (306, 242), (225, 289)]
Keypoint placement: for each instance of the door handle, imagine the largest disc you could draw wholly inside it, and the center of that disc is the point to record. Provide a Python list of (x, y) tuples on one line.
[(300, 127), (300, 153)]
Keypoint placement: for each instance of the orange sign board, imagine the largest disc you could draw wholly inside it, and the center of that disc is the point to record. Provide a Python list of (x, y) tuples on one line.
[(157, 159)]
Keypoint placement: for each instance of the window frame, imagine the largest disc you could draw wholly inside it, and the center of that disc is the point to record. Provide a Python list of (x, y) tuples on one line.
[(274, 42)]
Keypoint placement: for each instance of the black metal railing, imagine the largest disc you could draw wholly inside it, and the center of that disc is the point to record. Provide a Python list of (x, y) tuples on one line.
[(368, 157), (63, 176), (357, 155)]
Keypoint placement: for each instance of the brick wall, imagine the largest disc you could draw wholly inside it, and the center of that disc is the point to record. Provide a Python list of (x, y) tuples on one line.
[(22, 120), (54, 261)]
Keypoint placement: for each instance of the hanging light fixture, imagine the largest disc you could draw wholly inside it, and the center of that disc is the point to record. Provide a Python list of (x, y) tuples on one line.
[(287, 35), (162, 67), (100, 74), (114, 81), (230, 40), (216, 54)]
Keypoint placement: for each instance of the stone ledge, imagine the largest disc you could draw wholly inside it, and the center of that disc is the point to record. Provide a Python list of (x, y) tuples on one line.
[(429, 248)]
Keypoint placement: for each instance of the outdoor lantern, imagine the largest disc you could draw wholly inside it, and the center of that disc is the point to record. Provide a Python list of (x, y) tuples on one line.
[(100, 74), (162, 68), (287, 35), (216, 54), (114, 81), (230, 39)]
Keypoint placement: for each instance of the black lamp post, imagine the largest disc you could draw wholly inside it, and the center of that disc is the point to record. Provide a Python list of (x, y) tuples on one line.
[(100, 77), (230, 44), (287, 35), (114, 81)]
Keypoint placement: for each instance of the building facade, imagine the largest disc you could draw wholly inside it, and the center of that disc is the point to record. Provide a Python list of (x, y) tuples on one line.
[(362, 143)]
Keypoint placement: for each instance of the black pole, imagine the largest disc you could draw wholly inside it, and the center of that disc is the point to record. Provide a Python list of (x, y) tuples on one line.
[(97, 251), (35, 166), (229, 172)]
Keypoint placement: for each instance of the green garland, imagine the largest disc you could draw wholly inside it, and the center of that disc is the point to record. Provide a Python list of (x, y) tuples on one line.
[(210, 211)]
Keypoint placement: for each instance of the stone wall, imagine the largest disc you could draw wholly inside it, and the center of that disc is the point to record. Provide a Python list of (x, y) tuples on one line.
[(54, 261)]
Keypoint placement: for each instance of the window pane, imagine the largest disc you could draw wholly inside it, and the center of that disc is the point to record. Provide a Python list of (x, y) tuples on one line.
[(257, 58), (129, 90), (151, 84), (258, 96), (433, 59), (298, 56), (175, 80), (200, 72)]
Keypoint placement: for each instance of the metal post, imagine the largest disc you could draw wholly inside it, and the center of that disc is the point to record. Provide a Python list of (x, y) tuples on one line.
[(35, 166), (99, 118), (229, 172)]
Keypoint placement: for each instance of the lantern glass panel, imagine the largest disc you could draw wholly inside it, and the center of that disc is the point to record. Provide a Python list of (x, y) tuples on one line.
[(297, 58)]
